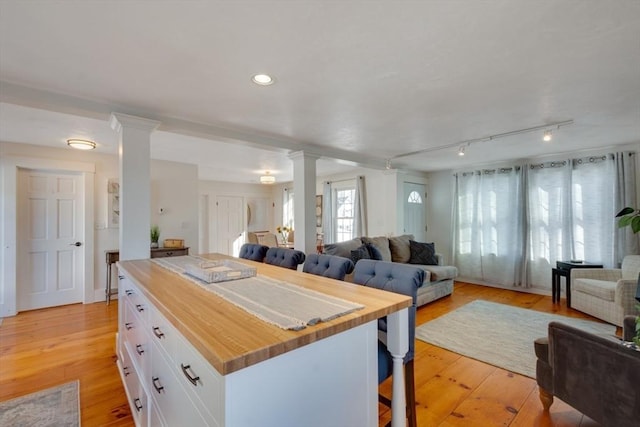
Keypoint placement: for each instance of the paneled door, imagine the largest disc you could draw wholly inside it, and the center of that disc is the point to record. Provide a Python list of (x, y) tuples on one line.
[(229, 224), (50, 238), (415, 211)]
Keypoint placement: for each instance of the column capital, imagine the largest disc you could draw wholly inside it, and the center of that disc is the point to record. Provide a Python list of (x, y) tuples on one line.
[(303, 155), (118, 120)]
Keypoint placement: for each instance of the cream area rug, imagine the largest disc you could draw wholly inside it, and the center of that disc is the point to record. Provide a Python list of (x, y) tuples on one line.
[(52, 407), (498, 334)]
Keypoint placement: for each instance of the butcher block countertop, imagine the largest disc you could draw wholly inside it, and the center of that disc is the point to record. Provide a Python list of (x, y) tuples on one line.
[(232, 339)]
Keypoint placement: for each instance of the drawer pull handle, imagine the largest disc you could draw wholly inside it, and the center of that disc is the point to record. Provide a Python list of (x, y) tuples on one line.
[(129, 292), (158, 333), (120, 276), (138, 404), (139, 349), (192, 378), (139, 307), (169, 253), (156, 384), (125, 370), (128, 326)]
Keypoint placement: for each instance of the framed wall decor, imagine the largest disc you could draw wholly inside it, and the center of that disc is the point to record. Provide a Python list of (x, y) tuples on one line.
[(319, 211), (113, 203)]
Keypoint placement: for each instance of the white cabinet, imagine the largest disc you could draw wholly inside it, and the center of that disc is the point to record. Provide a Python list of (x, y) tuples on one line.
[(157, 378), (330, 381)]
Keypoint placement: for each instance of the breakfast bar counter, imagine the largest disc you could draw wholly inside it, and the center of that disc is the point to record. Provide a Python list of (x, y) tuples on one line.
[(228, 367)]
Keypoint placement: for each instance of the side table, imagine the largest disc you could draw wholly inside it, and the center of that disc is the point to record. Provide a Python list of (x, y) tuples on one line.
[(113, 256), (563, 269)]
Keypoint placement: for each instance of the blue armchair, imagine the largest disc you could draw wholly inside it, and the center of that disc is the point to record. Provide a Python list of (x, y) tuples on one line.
[(402, 279), (283, 257), (253, 251), (335, 267)]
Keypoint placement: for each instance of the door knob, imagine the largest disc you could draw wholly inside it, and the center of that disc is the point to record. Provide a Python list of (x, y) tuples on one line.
[(75, 244)]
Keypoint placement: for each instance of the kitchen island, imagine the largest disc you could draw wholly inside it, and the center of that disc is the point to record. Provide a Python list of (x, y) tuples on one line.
[(189, 357)]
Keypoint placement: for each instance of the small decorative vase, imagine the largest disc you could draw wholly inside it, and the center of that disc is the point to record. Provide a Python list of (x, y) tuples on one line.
[(154, 245)]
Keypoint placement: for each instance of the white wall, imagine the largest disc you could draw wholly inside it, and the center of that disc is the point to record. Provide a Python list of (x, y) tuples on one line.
[(174, 186)]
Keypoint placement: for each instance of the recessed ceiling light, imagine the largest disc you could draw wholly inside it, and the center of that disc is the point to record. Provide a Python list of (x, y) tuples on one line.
[(547, 136), (262, 79), (81, 144)]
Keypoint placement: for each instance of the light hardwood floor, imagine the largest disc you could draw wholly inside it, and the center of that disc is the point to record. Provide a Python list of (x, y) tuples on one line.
[(43, 348)]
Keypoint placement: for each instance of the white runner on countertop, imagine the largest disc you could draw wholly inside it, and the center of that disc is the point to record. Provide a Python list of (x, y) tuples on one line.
[(283, 304)]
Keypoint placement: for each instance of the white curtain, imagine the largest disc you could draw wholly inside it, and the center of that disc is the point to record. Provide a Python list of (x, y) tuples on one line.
[(625, 195), (511, 226), (360, 209), (488, 240), (327, 212)]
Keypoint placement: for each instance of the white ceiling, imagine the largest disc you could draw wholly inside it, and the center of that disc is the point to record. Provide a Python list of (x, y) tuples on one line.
[(360, 81)]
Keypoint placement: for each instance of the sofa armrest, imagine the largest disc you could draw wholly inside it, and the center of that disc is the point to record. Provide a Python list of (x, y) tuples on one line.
[(607, 274), (626, 293), (440, 259)]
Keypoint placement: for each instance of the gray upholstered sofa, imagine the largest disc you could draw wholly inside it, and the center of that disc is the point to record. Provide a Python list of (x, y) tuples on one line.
[(438, 281)]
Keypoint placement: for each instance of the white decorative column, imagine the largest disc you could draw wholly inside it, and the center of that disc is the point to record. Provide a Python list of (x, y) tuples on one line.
[(134, 150), (304, 206)]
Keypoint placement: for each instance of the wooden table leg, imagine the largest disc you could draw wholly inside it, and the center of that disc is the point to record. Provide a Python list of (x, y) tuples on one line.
[(398, 345)]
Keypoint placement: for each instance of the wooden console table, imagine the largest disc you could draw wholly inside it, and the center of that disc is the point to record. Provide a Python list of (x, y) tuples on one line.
[(113, 256)]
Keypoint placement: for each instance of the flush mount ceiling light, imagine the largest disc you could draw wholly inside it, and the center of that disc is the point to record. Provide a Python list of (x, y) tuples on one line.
[(81, 144), (262, 79), (461, 150), (547, 136), (267, 179)]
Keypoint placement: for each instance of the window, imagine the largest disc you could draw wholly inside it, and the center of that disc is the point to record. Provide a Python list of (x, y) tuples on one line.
[(344, 213), (414, 197), (287, 208)]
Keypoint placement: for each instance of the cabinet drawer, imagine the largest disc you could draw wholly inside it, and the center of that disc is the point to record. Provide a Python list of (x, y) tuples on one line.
[(137, 341), (162, 333), (172, 402), (203, 383), (130, 293), (134, 390)]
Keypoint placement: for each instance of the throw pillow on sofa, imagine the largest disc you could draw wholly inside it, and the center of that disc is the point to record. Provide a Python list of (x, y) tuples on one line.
[(399, 246), (422, 253), (342, 249), (366, 251), (381, 244)]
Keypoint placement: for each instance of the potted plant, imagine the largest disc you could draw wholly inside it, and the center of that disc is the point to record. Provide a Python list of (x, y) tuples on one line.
[(630, 217), (155, 236)]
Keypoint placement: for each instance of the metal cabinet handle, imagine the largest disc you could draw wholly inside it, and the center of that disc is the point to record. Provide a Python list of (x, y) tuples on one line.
[(120, 276), (128, 326), (156, 384), (158, 333), (139, 349), (125, 371), (138, 404), (191, 377), (139, 307), (129, 292), (169, 253)]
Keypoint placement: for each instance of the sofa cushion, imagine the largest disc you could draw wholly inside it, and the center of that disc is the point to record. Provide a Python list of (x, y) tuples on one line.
[(422, 253), (598, 288), (342, 249), (440, 272), (381, 244), (399, 246)]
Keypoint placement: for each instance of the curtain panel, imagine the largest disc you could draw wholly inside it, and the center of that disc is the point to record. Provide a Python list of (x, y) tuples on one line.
[(511, 225)]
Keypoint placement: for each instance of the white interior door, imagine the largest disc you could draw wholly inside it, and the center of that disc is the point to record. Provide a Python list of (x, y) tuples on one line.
[(50, 238), (230, 224), (415, 210)]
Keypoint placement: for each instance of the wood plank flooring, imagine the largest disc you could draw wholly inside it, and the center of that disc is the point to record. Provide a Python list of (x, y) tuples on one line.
[(43, 348)]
